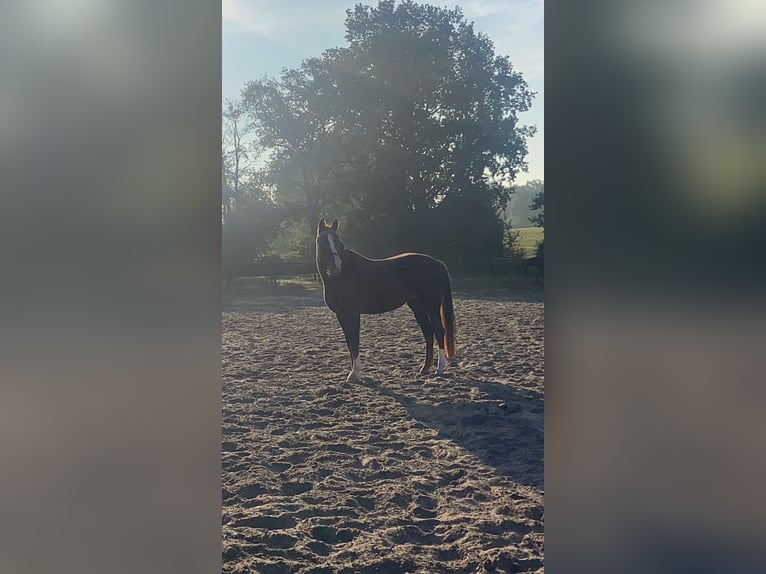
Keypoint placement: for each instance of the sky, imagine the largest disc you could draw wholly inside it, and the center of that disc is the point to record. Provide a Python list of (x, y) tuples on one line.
[(262, 37)]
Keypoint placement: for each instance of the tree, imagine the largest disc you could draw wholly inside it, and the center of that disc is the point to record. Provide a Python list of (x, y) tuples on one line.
[(517, 213), (236, 155), (538, 203), (249, 216), (293, 119), (249, 230), (410, 132)]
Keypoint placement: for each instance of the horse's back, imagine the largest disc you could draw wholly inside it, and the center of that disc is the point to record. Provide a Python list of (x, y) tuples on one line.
[(414, 262), (423, 274)]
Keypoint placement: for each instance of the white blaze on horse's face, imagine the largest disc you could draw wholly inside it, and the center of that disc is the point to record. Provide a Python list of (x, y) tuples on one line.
[(335, 256)]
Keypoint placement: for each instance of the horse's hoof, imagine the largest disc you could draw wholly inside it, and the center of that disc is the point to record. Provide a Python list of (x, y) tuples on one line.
[(353, 377), (423, 370)]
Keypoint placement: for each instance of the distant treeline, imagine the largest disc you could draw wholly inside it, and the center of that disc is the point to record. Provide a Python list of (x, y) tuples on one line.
[(524, 209)]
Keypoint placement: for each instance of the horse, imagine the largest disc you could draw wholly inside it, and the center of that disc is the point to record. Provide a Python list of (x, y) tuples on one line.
[(355, 285)]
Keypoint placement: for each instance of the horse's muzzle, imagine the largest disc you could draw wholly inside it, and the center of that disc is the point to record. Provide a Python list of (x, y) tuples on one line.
[(337, 264)]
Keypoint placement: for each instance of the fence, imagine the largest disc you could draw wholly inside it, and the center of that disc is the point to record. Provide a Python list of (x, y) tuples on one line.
[(273, 269)]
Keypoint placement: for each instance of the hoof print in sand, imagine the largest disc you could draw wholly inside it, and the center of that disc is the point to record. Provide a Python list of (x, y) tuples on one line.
[(502, 562), (319, 548), (253, 491), (296, 488), (280, 540), (272, 568), (332, 535), (319, 570), (365, 503), (387, 566), (283, 522)]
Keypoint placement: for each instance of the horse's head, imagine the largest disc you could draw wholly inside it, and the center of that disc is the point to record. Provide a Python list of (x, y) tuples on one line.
[(330, 249)]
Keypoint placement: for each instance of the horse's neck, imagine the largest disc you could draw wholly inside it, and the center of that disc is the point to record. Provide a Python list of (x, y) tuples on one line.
[(355, 258), (351, 264), (350, 256)]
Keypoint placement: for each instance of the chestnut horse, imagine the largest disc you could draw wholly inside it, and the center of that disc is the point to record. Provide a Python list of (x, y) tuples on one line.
[(355, 285)]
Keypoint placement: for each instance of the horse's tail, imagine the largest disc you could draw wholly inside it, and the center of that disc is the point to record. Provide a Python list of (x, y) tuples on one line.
[(448, 320)]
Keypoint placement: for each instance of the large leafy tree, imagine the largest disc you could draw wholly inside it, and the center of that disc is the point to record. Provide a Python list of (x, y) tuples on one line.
[(410, 132)]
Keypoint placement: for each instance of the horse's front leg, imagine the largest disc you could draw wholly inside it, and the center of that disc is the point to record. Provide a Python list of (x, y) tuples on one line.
[(350, 325)]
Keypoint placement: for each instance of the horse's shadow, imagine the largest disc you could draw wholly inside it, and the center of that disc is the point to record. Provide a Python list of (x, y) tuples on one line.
[(500, 424)]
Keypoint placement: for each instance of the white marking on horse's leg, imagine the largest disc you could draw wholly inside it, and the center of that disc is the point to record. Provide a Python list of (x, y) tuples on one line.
[(442, 362), (356, 371)]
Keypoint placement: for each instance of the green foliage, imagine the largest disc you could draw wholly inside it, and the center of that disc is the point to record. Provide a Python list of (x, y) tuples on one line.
[(518, 211), (292, 242), (538, 204), (511, 244), (248, 230)]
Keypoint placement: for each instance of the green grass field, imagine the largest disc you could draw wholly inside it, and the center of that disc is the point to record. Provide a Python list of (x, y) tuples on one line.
[(529, 237)]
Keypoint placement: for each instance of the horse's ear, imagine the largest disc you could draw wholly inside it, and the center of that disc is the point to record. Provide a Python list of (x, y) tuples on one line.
[(322, 226), (334, 225)]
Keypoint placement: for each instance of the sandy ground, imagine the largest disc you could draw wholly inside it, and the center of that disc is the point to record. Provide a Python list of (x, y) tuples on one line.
[(398, 473)]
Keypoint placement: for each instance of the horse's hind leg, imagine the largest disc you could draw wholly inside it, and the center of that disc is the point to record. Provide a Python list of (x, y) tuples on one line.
[(436, 323), (350, 325), (428, 334)]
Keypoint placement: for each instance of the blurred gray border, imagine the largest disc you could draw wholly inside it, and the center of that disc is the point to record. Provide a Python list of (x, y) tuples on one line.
[(110, 330)]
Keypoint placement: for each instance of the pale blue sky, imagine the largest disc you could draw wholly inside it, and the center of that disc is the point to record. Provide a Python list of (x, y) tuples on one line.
[(261, 37)]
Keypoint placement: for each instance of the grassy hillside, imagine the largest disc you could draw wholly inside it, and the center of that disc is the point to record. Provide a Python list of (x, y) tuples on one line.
[(529, 237)]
